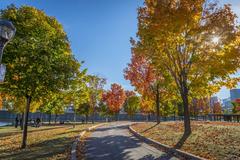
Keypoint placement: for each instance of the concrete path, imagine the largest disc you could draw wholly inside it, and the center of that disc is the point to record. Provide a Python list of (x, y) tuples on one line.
[(114, 142)]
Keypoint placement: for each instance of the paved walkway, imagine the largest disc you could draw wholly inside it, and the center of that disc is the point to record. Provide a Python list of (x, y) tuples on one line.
[(114, 142)]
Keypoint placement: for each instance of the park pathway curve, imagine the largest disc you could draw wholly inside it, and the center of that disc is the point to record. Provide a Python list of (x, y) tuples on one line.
[(114, 142)]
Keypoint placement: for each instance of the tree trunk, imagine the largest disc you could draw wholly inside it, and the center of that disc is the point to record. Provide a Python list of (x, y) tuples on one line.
[(184, 96), (21, 120), (49, 118), (41, 118), (56, 115), (86, 118), (74, 119), (93, 115), (158, 104), (24, 139)]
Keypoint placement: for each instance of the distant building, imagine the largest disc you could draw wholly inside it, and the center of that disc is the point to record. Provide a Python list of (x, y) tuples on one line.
[(214, 100), (234, 94), (227, 104)]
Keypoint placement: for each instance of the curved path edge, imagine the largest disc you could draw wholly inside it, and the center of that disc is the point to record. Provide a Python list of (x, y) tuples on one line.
[(75, 143), (166, 148)]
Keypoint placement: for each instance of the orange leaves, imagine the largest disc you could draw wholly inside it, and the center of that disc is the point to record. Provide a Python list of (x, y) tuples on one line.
[(140, 73), (114, 98), (217, 108), (130, 93)]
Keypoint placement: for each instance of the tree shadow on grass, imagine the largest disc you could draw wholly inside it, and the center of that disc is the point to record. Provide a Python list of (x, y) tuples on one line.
[(181, 142), (42, 150), (150, 127), (30, 131)]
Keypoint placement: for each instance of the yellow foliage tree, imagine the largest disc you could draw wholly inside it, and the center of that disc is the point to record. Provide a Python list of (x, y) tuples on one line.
[(196, 42)]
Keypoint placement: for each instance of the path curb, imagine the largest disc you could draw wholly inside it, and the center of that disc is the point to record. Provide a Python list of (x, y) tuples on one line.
[(186, 155), (75, 143)]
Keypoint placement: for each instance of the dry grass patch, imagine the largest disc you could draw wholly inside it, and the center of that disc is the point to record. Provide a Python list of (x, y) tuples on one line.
[(211, 140), (46, 142)]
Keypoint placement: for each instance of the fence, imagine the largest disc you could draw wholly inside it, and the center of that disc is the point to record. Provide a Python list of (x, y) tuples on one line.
[(6, 116)]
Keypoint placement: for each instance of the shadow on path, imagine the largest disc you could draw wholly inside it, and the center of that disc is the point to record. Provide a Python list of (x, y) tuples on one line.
[(115, 143)]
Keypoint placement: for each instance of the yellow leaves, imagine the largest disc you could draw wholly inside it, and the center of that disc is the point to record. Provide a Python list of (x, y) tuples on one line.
[(16, 77), (67, 53), (178, 38)]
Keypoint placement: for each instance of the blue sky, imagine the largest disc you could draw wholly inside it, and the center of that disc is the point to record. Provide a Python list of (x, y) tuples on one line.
[(99, 31)]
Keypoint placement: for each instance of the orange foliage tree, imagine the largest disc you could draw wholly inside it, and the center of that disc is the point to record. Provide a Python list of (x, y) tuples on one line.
[(141, 75), (217, 108), (130, 93), (115, 98), (150, 85), (200, 106)]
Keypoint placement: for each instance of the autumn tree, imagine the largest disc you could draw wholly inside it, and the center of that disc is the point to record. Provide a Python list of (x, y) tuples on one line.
[(38, 59), (200, 106), (95, 86), (132, 105), (147, 105), (84, 109), (115, 98), (217, 108), (146, 80), (53, 103), (78, 91), (196, 42), (129, 94)]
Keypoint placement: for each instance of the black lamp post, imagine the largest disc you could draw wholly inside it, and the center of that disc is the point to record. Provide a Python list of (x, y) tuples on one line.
[(7, 32)]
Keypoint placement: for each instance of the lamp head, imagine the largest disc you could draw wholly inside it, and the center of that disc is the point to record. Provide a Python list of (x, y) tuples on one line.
[(7, 30)]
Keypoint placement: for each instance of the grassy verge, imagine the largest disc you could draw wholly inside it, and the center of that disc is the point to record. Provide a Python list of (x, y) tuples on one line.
[(81, 150), (211, 140), (46, 142)]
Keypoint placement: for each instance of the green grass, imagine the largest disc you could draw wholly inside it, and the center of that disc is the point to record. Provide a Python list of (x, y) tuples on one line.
[(46, 142), (211, 140)]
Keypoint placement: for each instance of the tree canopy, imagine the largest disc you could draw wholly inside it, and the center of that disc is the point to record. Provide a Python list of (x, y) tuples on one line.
[(196, 42), (38, 59)]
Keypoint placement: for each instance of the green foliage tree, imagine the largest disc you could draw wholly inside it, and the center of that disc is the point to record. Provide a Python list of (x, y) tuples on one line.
[(54, 103), (38, 59), (236, 106), (132, 105), (95, 86), (84, 109), (78, 92)]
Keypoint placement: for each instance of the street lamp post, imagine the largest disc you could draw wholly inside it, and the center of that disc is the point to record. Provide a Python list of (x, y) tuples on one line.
[(7, 32)]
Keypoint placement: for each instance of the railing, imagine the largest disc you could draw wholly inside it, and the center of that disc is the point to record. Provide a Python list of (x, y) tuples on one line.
[(6, 116)]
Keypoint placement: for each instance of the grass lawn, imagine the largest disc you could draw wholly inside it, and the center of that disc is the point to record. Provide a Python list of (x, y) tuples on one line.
[(211, 140), (46, 142)]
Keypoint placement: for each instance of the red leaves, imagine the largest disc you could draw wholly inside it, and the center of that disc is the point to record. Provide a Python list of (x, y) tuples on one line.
[(140, 73), (114, 98), (217, 108), (130, 93)]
